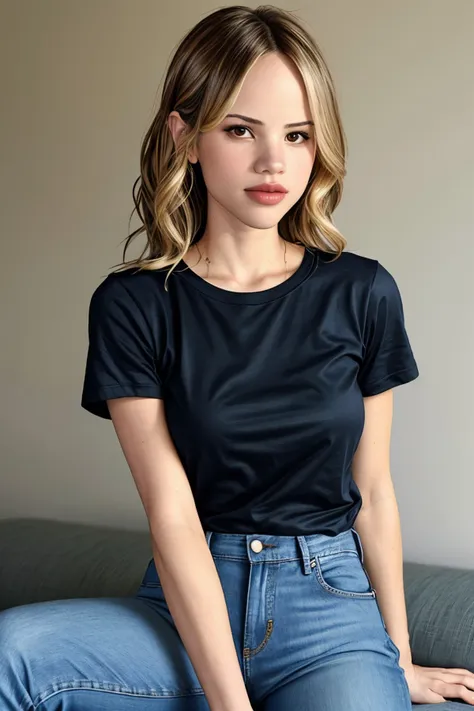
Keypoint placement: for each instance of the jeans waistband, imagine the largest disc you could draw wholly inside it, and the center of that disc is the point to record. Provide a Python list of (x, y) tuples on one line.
[(260, 548)]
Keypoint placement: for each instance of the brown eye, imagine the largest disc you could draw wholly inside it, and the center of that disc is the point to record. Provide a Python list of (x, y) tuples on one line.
[(236, 128), (231, 129), (304, 135)]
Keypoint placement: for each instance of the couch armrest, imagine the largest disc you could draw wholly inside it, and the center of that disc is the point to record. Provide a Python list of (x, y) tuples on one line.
[(52, 560), (440, 609)]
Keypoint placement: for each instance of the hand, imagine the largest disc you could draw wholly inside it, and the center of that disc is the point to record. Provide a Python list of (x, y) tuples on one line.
[(433, 685)]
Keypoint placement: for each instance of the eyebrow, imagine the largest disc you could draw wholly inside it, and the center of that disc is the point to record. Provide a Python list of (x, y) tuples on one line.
[(260, 123)]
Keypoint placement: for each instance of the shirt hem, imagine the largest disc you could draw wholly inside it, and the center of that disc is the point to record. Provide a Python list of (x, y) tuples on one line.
[(95, 403), (399, 377)]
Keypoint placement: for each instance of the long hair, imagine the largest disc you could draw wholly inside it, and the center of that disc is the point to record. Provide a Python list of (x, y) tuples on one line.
[(204, 78)]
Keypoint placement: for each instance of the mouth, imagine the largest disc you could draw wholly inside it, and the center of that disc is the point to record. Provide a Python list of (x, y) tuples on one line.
[(266, 197), (268, 188)]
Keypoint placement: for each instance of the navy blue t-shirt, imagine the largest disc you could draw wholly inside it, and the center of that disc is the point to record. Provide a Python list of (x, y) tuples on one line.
[(263, 391)]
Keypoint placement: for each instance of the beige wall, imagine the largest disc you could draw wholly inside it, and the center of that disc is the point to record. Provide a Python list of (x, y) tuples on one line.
[(80, 82)]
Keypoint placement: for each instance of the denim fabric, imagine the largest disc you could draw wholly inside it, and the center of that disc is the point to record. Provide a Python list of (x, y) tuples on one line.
[(305, 621)]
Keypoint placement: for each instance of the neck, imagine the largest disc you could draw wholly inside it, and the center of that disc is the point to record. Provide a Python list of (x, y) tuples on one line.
[(203, 256), (236, 269)]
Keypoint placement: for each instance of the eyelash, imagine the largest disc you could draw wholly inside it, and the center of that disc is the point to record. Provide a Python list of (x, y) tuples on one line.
[(293, 133)]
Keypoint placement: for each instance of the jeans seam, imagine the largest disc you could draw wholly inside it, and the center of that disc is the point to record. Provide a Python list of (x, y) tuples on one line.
[(326, 554), (242, 559), (248, 652), (107, 687)]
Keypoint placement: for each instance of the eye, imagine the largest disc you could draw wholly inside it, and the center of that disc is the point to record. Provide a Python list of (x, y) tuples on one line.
[(303, 134), (300, 133)]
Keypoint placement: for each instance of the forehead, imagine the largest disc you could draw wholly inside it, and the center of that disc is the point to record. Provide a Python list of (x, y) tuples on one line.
[(273, 92)]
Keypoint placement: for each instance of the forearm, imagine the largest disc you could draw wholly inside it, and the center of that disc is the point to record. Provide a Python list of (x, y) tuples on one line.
[(195, 598), (379, 528)]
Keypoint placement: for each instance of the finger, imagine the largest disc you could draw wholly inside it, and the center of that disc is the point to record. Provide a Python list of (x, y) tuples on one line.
[(466, 672), (459, 676), (455, 691), (467, 696), (452, 669), (450, 676)]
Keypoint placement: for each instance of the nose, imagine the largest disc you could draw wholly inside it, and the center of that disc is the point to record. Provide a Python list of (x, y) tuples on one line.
[(271, 165), (270, 159)]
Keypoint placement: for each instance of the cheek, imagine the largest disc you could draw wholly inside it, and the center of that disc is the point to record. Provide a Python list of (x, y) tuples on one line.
[(302, 172), (222, 169), (305, 161)]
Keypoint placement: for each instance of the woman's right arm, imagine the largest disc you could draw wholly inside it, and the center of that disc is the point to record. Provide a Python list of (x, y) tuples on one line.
[(185, 565)]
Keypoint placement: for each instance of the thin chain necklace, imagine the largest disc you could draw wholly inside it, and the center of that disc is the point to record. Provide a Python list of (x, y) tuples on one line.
[(208, 261)]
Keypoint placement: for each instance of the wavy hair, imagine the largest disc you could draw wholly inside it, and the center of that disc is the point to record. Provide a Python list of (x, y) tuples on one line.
[(203, 80)]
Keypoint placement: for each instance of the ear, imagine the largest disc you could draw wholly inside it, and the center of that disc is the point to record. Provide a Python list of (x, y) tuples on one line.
[(178, 127)]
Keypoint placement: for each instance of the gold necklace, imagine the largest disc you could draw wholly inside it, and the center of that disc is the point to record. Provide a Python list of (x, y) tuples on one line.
[(208, 261)]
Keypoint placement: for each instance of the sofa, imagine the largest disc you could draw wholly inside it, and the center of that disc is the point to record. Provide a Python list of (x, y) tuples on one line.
[(50, 560)]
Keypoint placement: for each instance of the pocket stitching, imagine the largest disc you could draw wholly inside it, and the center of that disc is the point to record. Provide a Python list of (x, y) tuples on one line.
[(335, 591)]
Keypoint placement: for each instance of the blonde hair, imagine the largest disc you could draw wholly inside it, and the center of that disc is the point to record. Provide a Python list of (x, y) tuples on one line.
[(203, 80)]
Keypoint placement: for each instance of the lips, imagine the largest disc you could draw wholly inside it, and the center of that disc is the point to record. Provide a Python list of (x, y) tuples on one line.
[(268, 188), (265, 197)]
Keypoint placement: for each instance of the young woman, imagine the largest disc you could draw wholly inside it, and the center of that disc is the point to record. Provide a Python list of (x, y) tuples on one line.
[(247, 363)]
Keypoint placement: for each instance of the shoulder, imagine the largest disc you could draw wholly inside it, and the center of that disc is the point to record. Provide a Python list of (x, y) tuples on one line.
[(131, 285), (131, 294), (357, 269), (350, 263)]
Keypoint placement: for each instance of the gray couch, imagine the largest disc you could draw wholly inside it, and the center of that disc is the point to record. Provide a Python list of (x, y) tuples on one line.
[(48, 560)]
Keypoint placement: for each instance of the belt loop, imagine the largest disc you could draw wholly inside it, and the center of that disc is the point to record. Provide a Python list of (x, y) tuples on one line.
[(358, 545), (208, 537), (305, 553)]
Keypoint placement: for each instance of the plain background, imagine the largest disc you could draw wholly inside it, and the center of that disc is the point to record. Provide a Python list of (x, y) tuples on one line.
[(79, 88)]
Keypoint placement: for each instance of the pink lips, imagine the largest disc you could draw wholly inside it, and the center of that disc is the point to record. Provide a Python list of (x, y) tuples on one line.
[(264, 197), (269, 187), (267, 193)]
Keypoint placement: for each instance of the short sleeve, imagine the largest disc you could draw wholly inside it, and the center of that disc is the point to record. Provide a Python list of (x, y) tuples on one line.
[(121, 358), (388, 359)]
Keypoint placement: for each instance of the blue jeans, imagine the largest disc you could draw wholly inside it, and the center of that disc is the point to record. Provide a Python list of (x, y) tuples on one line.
[(305, 621)]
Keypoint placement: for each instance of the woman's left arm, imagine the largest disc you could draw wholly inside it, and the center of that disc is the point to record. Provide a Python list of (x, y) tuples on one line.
[(378, 525), (378, 521)]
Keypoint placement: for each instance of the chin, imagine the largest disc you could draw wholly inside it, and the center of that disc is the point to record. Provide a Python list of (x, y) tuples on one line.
[(261, 217), (261, 224)]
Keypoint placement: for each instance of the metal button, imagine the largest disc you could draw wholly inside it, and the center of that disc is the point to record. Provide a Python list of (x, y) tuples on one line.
[(256, 546)]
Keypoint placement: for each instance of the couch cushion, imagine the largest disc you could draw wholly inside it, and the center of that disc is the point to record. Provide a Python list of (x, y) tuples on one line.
[(440, 607), (51, 560)]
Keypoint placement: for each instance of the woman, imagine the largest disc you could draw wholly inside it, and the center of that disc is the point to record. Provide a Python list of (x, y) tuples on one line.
[(247, 363)]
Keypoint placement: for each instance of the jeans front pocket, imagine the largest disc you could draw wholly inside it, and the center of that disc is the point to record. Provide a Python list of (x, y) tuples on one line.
[(342, 573)]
